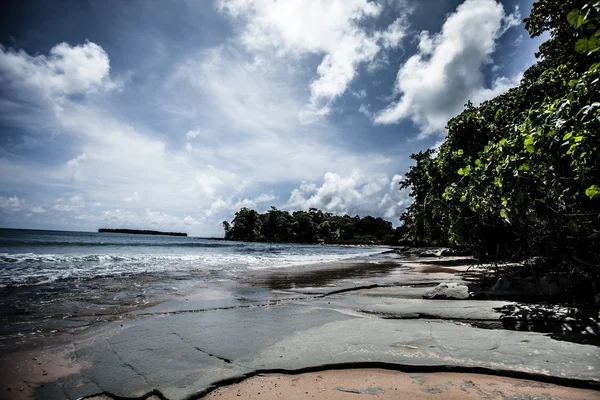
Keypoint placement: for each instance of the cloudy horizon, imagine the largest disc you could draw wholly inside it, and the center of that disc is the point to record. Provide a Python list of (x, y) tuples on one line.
[(137, 115)]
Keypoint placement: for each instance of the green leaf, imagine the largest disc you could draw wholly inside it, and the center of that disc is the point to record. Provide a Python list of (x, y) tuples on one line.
[(498, 182), (592, 44), (504, 214), (478, 162), (593, 192), (575, 18), (582, 46), (594, 67), (568, 136), (463, 198)]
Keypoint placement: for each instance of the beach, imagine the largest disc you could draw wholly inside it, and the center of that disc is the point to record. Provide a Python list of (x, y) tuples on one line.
[(342, 319), (389, 384)]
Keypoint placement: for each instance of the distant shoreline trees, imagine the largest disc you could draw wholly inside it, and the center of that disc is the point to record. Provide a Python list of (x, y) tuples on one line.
[(310, 226)]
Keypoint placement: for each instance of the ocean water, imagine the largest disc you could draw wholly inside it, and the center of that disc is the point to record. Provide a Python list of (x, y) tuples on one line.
[(55, 282), (34, 257)]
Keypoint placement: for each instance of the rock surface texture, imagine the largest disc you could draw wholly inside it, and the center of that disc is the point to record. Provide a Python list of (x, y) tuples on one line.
[(450, 290), (186, 349)]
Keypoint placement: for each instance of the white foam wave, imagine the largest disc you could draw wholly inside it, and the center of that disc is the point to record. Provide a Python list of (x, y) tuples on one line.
[(35, 269)]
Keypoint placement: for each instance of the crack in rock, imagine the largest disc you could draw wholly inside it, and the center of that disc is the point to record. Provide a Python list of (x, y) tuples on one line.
[(125, 364), (226, 360)]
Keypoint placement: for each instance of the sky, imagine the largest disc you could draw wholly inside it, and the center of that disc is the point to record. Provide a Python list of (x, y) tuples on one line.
[(150, 114)]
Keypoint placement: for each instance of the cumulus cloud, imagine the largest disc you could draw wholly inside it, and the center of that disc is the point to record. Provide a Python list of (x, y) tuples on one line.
[(11, 204), (331, 28), (226, 206), (252, 107), (67, 70), (352, 194), (446, 72)]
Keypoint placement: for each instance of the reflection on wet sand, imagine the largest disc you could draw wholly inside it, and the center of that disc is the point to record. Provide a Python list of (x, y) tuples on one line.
[(323, 275)]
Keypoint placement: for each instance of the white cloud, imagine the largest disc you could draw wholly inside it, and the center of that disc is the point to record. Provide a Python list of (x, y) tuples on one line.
[(11, 204), (71, 204), (192, 134), (38, 210), (66, 71), (255, 109), (435, 83), (265, 197), (227, 207), (188, 220), (353, 194), (120, 218), (392, 36), (251, 108), (331, 28), (361, 94), (74, 167)]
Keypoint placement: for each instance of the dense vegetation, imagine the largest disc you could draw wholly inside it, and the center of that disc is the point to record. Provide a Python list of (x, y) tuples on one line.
[(517, 178), (305, 227)]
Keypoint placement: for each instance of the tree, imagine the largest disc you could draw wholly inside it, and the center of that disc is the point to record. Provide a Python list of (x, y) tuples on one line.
[(305, 227), (518, 177)]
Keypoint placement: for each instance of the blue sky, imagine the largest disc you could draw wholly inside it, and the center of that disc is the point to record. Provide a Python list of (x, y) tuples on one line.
[(173, 115)]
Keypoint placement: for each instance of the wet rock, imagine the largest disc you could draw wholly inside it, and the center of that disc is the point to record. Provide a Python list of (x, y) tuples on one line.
[(450, 290)]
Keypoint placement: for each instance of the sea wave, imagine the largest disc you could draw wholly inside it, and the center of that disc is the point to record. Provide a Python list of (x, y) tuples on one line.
[(63, 243), (23, 269)]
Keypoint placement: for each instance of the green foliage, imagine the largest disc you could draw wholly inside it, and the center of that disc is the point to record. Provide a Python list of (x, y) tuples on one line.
[(518, 177), (305, 227)]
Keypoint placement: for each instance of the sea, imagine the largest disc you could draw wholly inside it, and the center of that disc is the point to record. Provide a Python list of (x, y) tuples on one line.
[(52, 280)]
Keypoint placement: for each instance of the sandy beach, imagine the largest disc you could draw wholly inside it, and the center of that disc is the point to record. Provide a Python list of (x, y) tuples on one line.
[(386, 384)]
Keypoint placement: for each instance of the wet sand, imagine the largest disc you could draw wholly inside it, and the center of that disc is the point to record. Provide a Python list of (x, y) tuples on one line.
[(386, 384)]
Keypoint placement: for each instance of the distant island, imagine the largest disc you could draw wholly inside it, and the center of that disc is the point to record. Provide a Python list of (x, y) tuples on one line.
[(140, 232)]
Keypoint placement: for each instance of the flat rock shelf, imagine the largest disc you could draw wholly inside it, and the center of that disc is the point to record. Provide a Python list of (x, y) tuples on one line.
[(189, 347)]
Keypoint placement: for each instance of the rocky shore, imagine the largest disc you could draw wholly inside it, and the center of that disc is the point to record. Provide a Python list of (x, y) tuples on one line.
[(408, 315)]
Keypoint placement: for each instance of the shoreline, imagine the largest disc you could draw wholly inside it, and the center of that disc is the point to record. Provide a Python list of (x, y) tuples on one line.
[(117, 299), (325, 315)]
